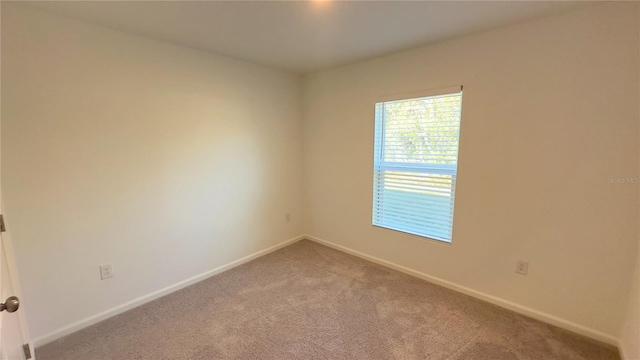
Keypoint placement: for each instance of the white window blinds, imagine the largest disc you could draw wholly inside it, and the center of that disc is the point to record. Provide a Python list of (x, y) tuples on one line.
[(415, 164)]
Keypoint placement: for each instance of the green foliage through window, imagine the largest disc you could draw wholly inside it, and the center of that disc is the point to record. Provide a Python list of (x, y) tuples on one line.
[(415, 164)]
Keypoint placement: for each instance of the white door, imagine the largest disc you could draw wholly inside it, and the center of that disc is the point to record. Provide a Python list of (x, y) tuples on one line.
[(11, 323), (13, 326)]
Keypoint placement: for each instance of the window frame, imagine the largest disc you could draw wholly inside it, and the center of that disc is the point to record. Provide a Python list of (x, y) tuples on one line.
[(438, 169)]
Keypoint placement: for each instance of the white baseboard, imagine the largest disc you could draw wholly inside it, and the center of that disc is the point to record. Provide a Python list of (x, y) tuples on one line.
[(538, 315), (71, 328)]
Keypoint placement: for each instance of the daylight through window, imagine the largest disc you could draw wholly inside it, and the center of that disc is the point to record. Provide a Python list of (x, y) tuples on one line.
[(415, 164)]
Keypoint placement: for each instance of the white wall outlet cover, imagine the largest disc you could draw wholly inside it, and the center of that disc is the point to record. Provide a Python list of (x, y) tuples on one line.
[(106, 271), (522, 267)]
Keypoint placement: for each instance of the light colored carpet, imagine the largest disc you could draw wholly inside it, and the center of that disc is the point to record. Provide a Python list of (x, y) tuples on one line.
[(307, 301)]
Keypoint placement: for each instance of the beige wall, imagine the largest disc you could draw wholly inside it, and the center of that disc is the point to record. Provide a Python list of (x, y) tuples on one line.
[(550, 113), (164, 161)]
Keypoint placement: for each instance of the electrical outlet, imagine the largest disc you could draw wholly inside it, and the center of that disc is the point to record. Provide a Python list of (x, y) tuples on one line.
[(522, 267), (287, 217), (106, 271)]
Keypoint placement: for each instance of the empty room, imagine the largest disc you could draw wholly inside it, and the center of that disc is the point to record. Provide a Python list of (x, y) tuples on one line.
[(455, 180)]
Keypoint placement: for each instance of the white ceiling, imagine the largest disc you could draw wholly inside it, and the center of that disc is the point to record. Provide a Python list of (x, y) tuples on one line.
[(303, 36)]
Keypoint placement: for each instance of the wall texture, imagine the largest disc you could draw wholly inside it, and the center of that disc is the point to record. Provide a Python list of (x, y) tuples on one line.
[(161, 160), (550, 114)]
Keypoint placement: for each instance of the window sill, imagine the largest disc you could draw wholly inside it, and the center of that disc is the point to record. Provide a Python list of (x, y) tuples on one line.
[(415, 236)]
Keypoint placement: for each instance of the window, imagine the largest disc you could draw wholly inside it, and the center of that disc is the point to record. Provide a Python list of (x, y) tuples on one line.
[(416, 163)]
